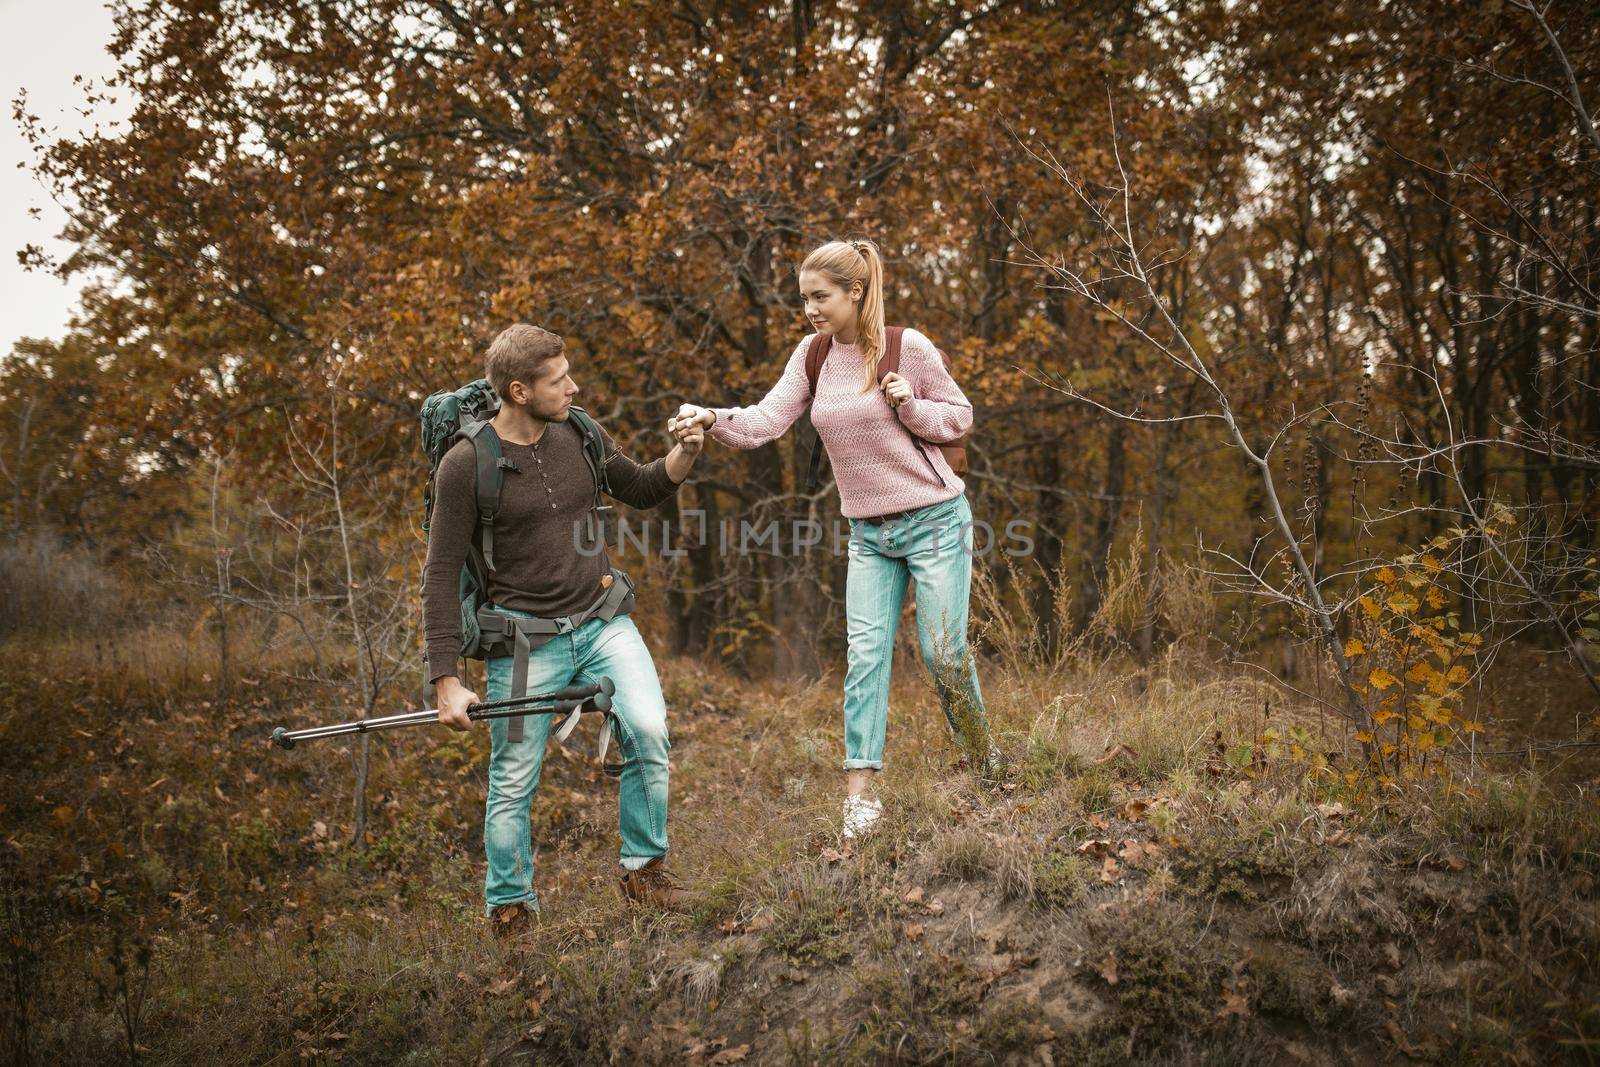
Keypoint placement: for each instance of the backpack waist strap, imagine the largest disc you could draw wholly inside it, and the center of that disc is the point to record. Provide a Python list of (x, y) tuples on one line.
[(525, 635)]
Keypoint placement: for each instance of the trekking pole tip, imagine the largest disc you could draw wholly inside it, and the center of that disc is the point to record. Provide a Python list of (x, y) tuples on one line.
[(281, 738)]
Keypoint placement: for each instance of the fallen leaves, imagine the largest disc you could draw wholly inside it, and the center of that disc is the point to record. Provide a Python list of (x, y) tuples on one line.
[(541, 993), (1116, 752), (719, 1052), (1133, 810), (1234, 1003), (1130, 851), (916, 896), (494, 989), (1398, 1036), (1137, 853)]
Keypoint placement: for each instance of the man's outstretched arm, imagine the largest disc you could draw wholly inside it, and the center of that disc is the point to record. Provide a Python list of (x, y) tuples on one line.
[(650, 484)]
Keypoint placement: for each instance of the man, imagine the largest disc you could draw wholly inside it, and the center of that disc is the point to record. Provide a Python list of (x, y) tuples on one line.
[(549, 562)]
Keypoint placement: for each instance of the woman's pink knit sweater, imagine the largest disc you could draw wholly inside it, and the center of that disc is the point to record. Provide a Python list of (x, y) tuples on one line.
[(875, 464)]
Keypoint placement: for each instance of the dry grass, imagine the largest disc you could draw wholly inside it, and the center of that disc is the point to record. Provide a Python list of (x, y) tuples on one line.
[(48, 588), (1241, 921)]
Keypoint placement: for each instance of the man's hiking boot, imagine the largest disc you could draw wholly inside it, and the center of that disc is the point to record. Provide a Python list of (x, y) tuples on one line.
[(861, 815), (652, 885), (509, 922)]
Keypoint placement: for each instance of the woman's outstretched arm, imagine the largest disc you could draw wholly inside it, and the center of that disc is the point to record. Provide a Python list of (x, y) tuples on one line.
[(754, 426)]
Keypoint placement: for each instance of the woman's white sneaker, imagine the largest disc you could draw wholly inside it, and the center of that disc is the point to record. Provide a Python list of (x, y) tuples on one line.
[(861, 814)]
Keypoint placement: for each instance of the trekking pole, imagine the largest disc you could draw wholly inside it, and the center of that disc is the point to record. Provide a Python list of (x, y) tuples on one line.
[(571, 701)]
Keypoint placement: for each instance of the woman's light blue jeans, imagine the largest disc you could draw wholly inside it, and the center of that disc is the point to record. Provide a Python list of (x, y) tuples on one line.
[(932, 545), (582, 657)]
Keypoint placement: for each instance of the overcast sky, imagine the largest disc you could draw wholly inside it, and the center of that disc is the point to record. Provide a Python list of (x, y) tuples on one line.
[(44, 43)]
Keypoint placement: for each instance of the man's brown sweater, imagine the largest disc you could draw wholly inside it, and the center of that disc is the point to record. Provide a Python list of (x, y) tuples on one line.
[(547, 561)]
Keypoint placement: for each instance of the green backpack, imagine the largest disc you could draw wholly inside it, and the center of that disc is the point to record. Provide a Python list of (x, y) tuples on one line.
[(465, 413)]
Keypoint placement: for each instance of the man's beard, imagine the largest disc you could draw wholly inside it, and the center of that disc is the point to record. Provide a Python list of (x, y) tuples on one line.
[(559, 414)]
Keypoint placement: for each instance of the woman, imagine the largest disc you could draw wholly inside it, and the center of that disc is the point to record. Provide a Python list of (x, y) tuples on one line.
[(908, 511)]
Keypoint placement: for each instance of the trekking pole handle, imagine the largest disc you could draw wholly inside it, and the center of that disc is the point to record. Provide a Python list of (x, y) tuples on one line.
[(606, 688)]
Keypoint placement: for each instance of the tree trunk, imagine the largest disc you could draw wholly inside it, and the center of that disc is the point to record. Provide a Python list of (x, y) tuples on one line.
[(1047, 546), (1097, 559), (1153, 544)]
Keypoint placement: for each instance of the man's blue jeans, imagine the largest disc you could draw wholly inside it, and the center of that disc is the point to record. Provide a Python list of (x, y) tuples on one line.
[(932, 545), (582, 657)]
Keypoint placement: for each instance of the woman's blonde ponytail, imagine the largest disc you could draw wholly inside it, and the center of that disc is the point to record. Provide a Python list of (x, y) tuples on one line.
[(869, 315)]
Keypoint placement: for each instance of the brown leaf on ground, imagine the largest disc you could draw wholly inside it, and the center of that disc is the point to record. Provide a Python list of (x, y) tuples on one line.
[(913, 931), (1398, 1036), (1133, 810), (914, 895), (1108, 968), (1096, 847), (759, 923), (731, 1055), (1233, 1003), (1136, 853), (833, 855), (1118, 750), (1109, 872)]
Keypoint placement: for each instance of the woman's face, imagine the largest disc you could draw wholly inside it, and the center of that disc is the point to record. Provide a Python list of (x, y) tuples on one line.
[(829, 308)]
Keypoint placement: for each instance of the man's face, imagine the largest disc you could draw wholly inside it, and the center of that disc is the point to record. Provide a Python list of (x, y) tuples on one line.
[(549, 396)]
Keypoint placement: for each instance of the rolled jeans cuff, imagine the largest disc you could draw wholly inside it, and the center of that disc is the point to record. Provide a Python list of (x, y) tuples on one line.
[(634, 863), (863, 764)]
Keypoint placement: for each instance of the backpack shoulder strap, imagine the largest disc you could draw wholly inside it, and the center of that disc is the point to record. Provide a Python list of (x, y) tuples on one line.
[(889, 362), (593, 449), (816, 353), (490, 475), (893, 339)]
